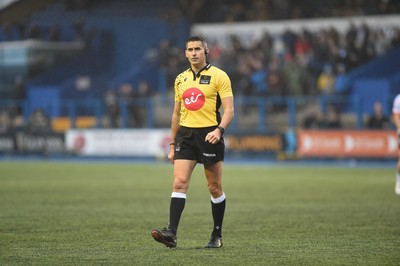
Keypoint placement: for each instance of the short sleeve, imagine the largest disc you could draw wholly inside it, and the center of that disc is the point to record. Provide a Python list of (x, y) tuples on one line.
[(224, 86)]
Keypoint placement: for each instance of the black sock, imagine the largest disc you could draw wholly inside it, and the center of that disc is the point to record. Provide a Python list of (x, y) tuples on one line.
[(218, 211), (175, 210)]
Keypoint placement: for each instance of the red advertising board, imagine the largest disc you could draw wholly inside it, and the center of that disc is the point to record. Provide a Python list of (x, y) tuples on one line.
[(347, 143)]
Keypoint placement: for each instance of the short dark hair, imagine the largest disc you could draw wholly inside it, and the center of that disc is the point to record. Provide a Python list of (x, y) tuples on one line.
[(197, 39)]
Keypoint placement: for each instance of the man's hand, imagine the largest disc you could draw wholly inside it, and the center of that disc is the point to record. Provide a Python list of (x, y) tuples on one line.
[(171, 153), (214, 136)]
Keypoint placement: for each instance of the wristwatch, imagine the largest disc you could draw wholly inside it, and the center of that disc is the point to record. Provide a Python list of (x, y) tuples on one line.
[(221, 129)]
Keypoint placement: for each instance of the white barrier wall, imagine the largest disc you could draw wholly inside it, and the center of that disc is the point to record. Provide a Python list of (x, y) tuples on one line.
[(118, 142)]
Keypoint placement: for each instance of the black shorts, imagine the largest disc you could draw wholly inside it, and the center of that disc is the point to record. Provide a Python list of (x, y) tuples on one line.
[(190, 144)]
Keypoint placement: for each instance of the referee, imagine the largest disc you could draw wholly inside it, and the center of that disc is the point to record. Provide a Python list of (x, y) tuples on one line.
[(197, 129)]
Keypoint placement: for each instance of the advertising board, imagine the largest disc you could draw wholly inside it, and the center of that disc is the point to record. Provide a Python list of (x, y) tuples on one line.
[(118, 142), (347, 143)]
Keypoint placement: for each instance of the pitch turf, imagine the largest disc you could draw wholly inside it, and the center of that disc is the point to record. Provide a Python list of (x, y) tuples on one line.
[(102, 214)]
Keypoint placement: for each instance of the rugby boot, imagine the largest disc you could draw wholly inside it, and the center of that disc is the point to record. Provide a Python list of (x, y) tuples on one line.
[(215, 242), (165, 236)]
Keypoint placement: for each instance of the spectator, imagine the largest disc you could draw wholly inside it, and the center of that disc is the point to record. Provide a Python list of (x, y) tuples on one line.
[(19, 93), (378, 120), (141, 112), (112, 109), (55, 33), (326, 81), (275, 81), (215, 52), (296, 77), (34, 32), (126, 93), (333, 120), (314, 118), (259, 77), (302, 47), (5, 122), (39, 122)]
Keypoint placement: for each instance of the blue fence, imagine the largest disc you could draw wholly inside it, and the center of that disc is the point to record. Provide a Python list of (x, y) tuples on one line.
[(252, 114)]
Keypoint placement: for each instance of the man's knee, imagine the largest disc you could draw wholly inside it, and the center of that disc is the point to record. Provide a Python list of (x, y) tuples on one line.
[(215, 190)]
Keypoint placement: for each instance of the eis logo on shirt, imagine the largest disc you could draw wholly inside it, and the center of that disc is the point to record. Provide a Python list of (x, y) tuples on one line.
[(193, 99)]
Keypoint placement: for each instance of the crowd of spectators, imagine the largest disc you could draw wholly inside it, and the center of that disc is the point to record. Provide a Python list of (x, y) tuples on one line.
[(25, 28), (38, 122), (305, 63), (222, 11), (292, 63), (133, 99), (211, 11), (315, 118), (28, 30)]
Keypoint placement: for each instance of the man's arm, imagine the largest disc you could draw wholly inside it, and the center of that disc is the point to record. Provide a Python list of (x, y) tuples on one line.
[(227, 117), (176, 114), (229, 112)]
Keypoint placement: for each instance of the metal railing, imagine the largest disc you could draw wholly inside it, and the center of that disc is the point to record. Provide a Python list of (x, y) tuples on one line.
[(252, 114)]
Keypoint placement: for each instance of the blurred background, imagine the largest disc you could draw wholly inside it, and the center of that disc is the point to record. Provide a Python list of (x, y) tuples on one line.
[(311, 78)]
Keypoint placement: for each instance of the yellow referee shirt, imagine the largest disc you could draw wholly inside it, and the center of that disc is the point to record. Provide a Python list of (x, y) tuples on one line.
[(200, 96)]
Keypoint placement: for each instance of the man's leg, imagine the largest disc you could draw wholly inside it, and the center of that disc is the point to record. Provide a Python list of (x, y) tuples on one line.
[(182, 172), (218, 202)]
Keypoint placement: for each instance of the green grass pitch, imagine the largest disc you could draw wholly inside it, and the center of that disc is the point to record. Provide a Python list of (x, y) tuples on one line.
[(65, 213)]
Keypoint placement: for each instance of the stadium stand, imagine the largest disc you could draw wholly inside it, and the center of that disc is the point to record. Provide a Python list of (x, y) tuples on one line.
[(128, 41)]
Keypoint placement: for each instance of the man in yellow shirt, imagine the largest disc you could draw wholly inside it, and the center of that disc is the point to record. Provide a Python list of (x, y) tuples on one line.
[(197, 129)]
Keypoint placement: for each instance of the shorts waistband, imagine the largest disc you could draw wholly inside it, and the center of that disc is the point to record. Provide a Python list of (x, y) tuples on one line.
[(199, 128)]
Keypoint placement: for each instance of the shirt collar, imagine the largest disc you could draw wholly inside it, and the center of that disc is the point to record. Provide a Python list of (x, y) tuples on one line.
[(206, 67)]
